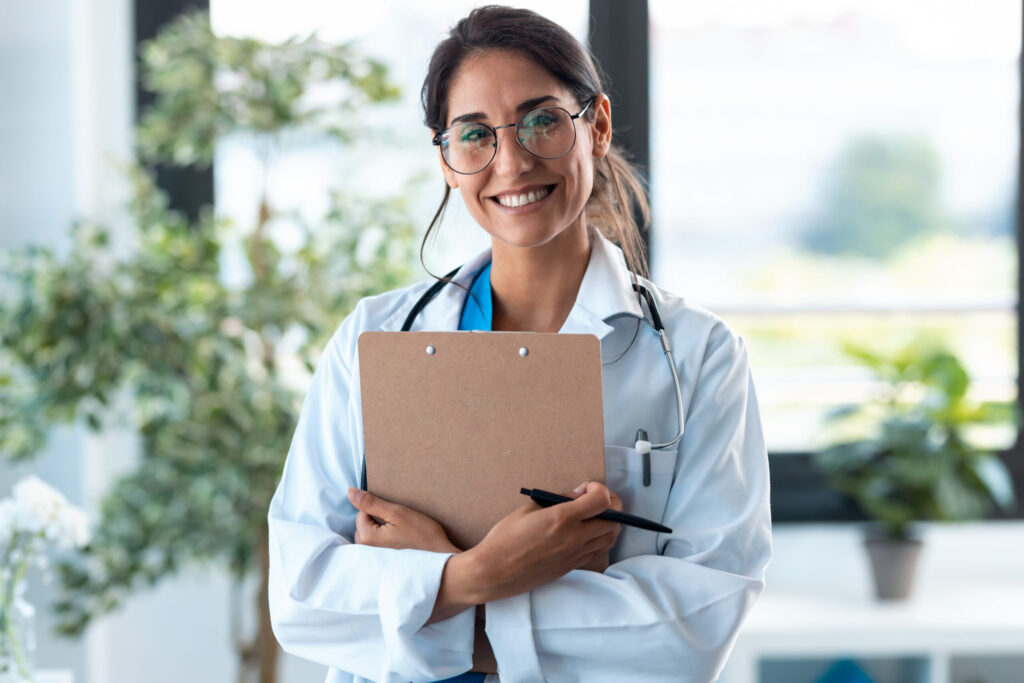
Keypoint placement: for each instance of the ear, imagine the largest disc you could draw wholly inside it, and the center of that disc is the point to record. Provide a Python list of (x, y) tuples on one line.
[(601, 130), (450, 176)]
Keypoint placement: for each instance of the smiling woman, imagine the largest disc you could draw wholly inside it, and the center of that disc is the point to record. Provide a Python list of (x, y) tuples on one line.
[(461, 75), (376, 590)]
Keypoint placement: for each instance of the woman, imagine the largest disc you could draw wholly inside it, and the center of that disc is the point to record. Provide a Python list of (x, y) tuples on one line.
[(524, 133)]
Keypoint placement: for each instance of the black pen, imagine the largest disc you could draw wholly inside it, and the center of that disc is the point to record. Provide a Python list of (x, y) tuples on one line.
[(547, 499)]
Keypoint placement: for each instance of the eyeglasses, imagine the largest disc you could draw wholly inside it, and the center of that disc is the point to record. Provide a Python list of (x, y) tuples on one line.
[(548, 133)]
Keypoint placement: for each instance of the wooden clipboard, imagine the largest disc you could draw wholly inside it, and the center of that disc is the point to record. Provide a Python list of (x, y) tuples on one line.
[(456, 433), (455, 423)]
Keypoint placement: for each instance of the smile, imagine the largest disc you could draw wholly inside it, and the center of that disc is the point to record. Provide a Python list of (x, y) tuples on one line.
[(513, 201)]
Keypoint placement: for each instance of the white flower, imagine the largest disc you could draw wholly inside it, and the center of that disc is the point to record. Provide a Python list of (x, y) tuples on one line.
[(73, 528), (39, 509), (38, 505)]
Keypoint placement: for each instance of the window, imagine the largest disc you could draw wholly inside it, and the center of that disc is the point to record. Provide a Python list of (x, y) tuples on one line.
[(840, 172)]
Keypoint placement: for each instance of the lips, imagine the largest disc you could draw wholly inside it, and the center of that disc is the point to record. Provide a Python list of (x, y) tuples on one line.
[(523, 197)]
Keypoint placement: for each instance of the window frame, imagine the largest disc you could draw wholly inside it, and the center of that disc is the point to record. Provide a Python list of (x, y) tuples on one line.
[(188, 189)]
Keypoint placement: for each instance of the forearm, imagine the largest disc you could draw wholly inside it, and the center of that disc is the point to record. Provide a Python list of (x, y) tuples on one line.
[(458, 589)]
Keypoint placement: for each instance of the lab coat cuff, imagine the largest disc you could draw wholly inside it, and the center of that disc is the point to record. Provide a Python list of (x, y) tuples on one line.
[(406, 597), (510, 632)]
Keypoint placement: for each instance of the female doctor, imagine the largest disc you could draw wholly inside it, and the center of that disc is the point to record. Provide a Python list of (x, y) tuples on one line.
[(523, 130)]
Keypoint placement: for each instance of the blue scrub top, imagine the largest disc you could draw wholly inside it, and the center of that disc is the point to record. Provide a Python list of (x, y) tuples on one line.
[(476, 315), (469, 677), (477, 312)]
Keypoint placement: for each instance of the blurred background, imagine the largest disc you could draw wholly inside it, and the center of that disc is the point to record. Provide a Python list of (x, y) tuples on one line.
[(194, 194)]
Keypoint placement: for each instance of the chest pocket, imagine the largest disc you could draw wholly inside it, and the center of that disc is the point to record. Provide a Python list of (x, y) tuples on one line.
[(624, 474)]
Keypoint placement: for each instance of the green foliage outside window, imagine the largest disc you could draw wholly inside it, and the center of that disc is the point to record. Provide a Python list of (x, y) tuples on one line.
[(212, 374), (882, 193)]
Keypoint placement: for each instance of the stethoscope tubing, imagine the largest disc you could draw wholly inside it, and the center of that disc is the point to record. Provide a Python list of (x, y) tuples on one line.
[(659, 327)]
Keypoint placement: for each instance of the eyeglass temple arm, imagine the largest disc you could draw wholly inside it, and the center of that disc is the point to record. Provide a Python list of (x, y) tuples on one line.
[(584, 110)]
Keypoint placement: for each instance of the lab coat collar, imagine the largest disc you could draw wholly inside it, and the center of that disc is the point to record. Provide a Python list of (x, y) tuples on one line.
[(606, 292)]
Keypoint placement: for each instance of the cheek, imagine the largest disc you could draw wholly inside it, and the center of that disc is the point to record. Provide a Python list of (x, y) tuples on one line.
[(470, 187), (582, 174)]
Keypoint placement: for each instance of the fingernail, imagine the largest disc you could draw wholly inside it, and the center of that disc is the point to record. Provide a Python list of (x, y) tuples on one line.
[(355, 494), (581, 488)]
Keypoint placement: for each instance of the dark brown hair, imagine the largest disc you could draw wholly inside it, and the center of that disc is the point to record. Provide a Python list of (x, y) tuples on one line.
[(617, 190)]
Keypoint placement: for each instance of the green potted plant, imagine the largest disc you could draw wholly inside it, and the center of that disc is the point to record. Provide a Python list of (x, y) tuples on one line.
[(913, 460), (152, 332)]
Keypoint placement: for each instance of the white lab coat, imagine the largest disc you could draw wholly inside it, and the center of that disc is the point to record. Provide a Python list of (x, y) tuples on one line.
[(669, 606)]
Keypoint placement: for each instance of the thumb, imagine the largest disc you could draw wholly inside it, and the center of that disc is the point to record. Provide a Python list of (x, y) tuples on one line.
[(365, 501)]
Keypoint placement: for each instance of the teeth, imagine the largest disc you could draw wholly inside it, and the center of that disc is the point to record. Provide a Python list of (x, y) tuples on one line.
[(514, 200)]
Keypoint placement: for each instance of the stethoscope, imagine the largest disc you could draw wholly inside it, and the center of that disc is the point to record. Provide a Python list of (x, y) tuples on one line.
[(643, 446)]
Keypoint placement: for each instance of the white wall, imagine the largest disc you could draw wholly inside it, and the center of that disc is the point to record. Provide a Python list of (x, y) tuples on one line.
[(37, 203), (36, 200)]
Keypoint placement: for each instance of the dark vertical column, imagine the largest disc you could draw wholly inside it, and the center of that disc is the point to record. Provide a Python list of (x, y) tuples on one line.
[(619, 39), (189, 189)]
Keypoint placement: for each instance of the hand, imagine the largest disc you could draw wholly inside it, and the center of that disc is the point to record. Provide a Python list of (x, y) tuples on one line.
[(533, 546), (384, 524)]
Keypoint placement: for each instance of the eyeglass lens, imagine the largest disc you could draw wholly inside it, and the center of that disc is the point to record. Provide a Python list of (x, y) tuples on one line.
[(547, 133)]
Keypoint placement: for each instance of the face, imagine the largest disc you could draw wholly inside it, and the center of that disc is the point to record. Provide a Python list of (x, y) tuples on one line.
[(498, 87)]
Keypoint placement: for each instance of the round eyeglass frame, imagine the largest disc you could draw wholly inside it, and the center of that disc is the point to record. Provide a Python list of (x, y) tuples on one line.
[(436, 140)]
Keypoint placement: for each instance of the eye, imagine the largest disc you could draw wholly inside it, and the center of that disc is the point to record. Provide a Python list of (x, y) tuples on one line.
[(539, 119), (473, 135)]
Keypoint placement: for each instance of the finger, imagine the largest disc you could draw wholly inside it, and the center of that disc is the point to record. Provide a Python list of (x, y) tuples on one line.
[(355, 496), (601, 543), (370, 522), (599, 527), (596, 551), (593, 501), (616, 503), (578, 491), (588, 559), (364, 527), (527, 507), (373, 505)]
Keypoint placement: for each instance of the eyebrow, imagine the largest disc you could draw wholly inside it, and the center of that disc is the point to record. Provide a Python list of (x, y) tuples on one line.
[(523, 107)]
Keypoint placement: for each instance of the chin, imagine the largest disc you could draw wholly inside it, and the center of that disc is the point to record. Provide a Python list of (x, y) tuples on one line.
[(522, 240), (526, 237)]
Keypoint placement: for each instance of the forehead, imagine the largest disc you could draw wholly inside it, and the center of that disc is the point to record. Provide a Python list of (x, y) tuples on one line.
[(495, 82)]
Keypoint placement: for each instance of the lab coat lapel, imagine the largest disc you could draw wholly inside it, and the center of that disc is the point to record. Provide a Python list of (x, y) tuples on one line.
[(606, 291)]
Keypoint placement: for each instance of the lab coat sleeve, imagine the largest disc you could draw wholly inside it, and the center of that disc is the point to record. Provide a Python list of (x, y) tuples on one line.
[(672, 616), (349, 606)]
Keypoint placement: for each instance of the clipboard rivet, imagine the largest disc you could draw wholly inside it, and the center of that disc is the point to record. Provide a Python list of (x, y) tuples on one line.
[(431, 350), (523, 351)]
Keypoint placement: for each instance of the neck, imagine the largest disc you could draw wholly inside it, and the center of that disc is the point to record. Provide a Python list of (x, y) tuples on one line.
[(534, 288)]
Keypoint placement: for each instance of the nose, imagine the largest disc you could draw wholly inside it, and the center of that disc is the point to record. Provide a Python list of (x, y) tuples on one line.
[(511, 159)]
